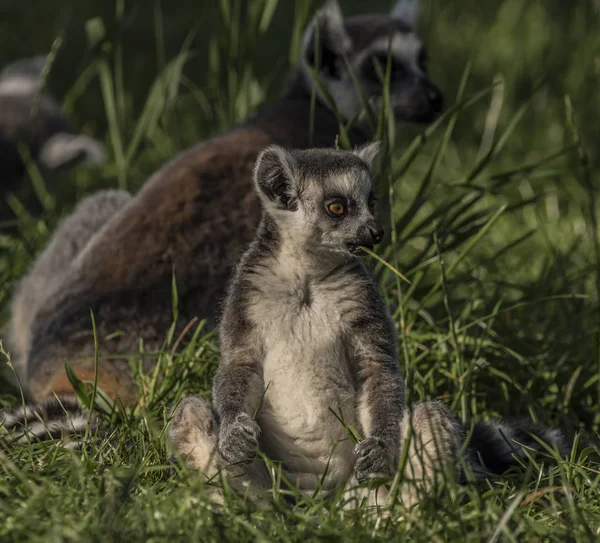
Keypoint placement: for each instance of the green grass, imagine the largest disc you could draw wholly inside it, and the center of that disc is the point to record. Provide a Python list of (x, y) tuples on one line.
[(494, 221)]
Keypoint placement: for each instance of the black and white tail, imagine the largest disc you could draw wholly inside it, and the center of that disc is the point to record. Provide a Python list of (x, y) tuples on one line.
[(499, 445), (54, 419)]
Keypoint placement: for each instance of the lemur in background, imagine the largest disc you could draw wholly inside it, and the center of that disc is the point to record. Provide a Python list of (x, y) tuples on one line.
[(306, 340), (115, 255), (28, 114)]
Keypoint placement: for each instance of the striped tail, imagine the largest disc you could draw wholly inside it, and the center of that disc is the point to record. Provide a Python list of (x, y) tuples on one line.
[(499, 445), (54, 419)]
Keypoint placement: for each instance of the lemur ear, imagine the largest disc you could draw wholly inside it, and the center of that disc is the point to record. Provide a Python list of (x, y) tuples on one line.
[(368, 152), (406, 11), (274, 175), (327, 33)]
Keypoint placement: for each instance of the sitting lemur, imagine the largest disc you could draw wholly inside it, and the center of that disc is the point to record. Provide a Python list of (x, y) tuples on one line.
[(307, 341)]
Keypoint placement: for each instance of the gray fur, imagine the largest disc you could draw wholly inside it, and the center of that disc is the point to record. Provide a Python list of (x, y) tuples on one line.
[(194, 433), (305, 334), (184, 218), (54, 263)]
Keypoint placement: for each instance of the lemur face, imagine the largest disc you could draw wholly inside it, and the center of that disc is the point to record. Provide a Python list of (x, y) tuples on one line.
[(320, 199), (355, 53), (340, 208)]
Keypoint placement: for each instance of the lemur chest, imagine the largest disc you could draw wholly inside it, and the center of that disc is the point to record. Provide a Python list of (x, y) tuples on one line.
[(304, 334), (309, 375)]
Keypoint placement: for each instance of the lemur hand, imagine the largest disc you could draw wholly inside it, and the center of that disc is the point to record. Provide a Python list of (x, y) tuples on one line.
[(373, 458), (238, 439)]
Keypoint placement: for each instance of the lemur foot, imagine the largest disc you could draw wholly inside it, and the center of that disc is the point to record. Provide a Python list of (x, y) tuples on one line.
[(373, 459), (238, 439)]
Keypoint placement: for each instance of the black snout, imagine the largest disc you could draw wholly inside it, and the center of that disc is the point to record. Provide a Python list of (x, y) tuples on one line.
[(376, 232), (435, 97), (370, 234)]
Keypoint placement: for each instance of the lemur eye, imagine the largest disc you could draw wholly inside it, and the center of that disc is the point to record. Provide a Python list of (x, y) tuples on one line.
[(336, 208), (372, 72)]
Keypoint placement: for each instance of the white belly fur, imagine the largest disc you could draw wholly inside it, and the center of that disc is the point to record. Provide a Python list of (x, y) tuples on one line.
[(307, 375), (298, 427)]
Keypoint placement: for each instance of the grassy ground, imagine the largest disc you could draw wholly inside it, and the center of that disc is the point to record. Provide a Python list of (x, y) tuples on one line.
[(506, 323)]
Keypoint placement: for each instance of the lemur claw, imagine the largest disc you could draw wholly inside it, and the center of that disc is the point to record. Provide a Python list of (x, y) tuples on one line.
[(238, 439), (373, 459)]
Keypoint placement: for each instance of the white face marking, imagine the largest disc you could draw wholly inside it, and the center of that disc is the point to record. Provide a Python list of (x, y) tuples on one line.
[(18, 86), (62, 148), (355, 183), (310, 229), (406, 11), (403, 47)]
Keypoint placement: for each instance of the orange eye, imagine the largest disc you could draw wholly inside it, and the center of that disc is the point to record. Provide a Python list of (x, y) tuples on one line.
[(336, 208)]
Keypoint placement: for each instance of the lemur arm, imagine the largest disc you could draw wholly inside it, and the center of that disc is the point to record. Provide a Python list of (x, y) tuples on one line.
[(234, 388), (238, 384), (380, 385)]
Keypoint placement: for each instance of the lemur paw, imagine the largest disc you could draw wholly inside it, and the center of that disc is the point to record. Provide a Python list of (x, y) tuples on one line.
[(372, 459), (238, 439)]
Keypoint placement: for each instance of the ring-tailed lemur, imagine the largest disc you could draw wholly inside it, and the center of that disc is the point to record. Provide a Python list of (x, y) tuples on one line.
[(116, 254), (306, 340), (33, 117)]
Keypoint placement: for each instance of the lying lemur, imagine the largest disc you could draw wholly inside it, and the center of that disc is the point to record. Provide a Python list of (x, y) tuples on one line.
[(31, 116), (116, 254), (306, 340)]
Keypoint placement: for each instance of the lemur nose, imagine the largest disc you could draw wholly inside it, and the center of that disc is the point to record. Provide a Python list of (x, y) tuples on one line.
[(377, 232), (436, 99)]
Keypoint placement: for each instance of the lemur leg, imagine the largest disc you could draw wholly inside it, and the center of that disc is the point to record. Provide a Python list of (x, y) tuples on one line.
[(71, 236), (193, 432), (432, 433), (433, 436)]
